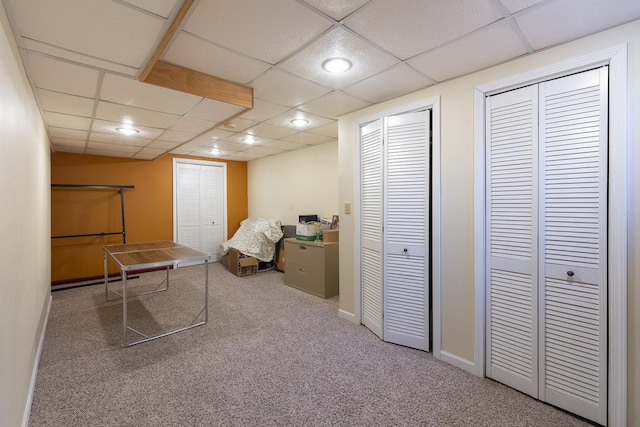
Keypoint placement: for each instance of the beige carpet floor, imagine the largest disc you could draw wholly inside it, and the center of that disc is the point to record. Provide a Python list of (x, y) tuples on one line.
[(270, 355)]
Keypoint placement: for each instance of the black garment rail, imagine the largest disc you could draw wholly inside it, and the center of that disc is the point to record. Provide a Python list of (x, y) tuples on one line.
[(120, 188)]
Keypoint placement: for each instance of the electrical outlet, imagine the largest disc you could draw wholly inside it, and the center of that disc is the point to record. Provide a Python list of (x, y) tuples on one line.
[(347, 208)]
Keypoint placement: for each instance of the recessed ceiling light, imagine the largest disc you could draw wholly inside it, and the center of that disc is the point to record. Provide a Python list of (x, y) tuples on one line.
[(249, 139), (299, 122), (128, 131), (215, 151), (336, 65)]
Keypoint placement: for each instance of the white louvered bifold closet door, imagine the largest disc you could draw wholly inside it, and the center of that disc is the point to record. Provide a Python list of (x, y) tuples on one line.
[(188, 212), (213, 207), (512, 291), (406, 225), (573, 340), (371, 226), (547, 241)]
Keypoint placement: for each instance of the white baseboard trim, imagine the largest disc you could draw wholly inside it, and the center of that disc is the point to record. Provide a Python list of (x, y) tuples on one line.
[(34, 373), (347, 315), (458, 361)]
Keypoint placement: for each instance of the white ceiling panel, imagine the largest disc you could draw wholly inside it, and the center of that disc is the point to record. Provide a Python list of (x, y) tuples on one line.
[(391, 83), (213, 60), (283, 88), (338, 43), (58, 76), (127, 91), (67, 121), (262, 149), (127, 43), (425, 24), (266, 30), (84, 57), (67, 104), (162, 8), (107, 127), (566, 20), (263, 110), (136, 117), (338, 10), (469, 53), (69, 149), (334, 104), (61, 133)]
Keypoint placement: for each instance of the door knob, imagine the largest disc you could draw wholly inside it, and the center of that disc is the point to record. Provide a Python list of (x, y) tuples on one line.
[(405, 250), (213, 222), (570, 273)]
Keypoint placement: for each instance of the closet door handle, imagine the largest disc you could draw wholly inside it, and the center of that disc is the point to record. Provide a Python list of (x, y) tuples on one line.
[(570, 273), (405, 250)]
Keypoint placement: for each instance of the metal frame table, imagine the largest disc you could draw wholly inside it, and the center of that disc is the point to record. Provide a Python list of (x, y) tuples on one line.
[(139, 256)]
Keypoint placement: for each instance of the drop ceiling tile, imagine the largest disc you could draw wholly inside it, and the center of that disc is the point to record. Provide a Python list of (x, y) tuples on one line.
[(285, 145), (67, 121), (238, 138), (62, 77), (237, 125), (151, 151), (68, 142), (94, 145), (326, 142), (172, 136), (514, 6), (68, 149), (66, 104), (136, 117), (337, 9), (229, 146), (212, 152), (270, 31), (306, 138), (107, 127), (60, 22), (263, 110), (57, 133), (469, 53), (163, 145), (334, 104), (330, 130), (217, 134), (425, 23), (144, 156), (131, 92), (159, 7), (123, 141), (214, 111), (74, 57), (338, 43), (61, 142), (243, 156), (110, 153), (194, 126), (284, 120), (286, 89), (562, 23), (264, 130), (392, 83), (213, 60), (267, 151)]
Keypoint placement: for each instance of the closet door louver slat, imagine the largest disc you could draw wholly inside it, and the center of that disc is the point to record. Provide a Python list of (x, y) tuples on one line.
[(573, 155), (371, 227), (406, 311), (512, 350)]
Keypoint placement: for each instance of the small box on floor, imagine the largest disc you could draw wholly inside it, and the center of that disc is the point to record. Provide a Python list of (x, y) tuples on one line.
[(241, 264)]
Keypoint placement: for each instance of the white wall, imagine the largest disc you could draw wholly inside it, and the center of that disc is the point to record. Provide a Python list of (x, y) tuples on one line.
[(457, 185), (295, 183), (25, 247)]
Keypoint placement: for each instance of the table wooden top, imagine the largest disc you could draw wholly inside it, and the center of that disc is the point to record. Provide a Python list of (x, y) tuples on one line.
[(152, 254)]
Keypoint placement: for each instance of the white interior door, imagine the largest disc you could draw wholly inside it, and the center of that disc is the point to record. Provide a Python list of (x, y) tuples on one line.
[(371, 226), (200, 205), (406, 230), (547, 241)]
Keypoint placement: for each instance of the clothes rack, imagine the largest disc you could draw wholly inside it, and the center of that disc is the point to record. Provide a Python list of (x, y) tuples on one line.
[(120, 189)]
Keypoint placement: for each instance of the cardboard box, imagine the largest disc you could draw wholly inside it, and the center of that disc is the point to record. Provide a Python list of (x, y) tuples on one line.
[(307, 232), (329, 236), (241, 264)]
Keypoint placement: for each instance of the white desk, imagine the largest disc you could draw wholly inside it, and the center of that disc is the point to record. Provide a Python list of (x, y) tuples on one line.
[(140, 256)]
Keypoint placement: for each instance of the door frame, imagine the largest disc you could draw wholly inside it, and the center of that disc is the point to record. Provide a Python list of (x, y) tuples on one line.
[(433, 104), (176, 161), (616, 58)]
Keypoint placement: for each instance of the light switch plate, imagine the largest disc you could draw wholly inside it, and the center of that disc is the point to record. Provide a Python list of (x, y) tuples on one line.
[(347, 208)]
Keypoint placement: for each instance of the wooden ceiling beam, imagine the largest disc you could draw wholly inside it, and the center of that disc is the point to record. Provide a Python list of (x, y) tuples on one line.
[(183, 79)]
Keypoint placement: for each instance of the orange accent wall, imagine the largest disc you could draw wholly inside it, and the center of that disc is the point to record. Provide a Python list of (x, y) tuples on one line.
[(148, 207)]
